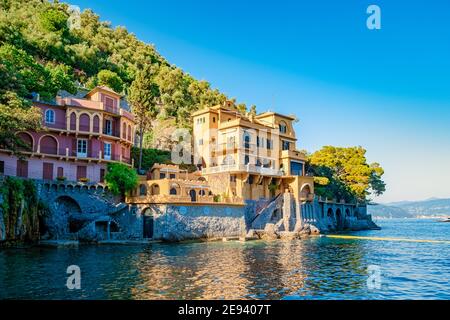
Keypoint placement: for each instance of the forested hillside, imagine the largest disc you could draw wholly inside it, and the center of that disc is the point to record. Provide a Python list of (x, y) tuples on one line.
[(45, 48)]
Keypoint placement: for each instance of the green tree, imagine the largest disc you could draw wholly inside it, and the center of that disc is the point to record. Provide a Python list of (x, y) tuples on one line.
[(348, 173), (142, 96), (120, 178), (110, 79)]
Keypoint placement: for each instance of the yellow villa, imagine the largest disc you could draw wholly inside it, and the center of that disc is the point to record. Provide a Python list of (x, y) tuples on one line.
[(252, 157)]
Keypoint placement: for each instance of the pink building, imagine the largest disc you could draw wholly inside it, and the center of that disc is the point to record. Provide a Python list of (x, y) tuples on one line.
[(81, 136)]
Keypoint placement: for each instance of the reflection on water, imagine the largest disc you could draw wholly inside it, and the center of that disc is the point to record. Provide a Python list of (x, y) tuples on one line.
[(318, 268)]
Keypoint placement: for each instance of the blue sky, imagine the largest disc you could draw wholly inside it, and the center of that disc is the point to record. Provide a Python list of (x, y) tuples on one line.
[(387, 90)]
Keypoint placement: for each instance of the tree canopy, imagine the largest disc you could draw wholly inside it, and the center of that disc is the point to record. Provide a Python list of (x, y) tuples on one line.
[(120, 178), (344, 173)]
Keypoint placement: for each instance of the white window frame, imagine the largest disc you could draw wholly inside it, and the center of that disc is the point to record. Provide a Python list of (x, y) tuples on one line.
[(107, 155), (50, 119), (80, 142)]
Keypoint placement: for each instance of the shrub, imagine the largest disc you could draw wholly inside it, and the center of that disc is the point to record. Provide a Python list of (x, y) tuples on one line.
[(120, 178)]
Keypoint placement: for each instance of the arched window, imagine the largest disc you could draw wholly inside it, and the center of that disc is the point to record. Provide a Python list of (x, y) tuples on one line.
[(96, 124), (154, 189), (49, 116), (48, 145), (27, 139), (129, 133), (142, 190), (173, 191), (283, 127), (85, 122)]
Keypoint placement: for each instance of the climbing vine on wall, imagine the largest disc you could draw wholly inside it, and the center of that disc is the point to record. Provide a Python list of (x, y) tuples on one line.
[(21, 209)]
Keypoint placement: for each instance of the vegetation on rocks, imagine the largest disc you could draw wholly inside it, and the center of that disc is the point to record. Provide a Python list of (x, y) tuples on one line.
[(21, 209)]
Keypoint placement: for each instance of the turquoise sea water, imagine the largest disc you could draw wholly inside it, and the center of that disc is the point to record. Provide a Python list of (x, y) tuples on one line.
[(316, 268)]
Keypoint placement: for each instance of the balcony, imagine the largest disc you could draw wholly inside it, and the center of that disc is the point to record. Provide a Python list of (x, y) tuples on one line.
[(249, 168), (73, 154)]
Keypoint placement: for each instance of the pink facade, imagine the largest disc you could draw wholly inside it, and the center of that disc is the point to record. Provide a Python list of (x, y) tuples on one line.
[(81, 137)]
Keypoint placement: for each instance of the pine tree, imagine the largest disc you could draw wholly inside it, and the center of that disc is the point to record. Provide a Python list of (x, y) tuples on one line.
[(142, 96)]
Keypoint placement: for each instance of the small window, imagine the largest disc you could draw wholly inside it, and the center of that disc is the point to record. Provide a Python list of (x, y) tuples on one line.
[(49, 116), (162, 175), (286, 145), (172, 176), (269, 144), (283, 128), (82, 148), (214, 119)]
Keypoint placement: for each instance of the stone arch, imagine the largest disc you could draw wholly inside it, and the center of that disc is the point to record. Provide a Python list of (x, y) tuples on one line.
[(175, 189), (68, 205), (339, 219), (142, 190), (28, 139), (84, 122), (48, 144), (154, 189), (330, 213), (348, 213)]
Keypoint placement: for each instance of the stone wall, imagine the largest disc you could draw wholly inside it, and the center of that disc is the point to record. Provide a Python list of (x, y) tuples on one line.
[(176, 222)]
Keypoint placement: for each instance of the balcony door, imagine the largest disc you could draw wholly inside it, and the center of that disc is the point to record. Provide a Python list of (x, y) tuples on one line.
[(82, 148), (108, 127), (47, 171), (107, 149)]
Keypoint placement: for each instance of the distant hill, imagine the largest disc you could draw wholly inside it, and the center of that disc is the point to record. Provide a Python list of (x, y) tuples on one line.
[(412, 209), (384, 211)]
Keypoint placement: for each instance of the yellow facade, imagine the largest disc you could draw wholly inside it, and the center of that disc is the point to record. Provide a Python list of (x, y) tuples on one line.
[(252, 157)]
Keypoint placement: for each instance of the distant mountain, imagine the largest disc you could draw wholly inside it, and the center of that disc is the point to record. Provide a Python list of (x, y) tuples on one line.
[(384, 211), (412, 209)]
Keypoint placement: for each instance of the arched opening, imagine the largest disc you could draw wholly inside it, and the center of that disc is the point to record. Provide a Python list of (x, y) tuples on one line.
[(27, 140), (124, 131), (305, 191), (142, 190), (96, 124), (330, 213), (154, 189), (73, 121), (85, 122), (339, 220), (202, 192), (148, 223), (67, 206), (193, 195), (48, 145), (175, 189)]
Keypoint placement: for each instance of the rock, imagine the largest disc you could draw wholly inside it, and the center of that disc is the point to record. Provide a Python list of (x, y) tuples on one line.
[(270, 232)]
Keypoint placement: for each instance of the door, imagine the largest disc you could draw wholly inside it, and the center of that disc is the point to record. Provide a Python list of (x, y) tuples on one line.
[(148, 227), (47, 172)]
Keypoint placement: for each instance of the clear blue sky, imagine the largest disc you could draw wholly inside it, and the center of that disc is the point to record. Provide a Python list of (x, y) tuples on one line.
[(387, 90)]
